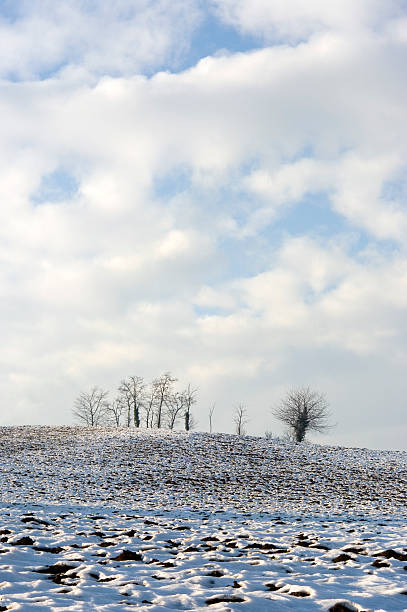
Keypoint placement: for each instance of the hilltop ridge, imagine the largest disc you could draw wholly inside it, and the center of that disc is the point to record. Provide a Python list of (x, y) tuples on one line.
[(141, 468)]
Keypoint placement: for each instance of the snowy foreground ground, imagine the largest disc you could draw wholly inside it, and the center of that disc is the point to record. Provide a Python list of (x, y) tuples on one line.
[(112, 520)]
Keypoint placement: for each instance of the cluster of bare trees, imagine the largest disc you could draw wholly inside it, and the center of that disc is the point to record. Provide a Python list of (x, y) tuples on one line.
[(159, 405), (138, 404)]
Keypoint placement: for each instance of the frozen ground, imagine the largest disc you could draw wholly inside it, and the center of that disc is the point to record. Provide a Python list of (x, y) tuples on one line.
[(102, 519)]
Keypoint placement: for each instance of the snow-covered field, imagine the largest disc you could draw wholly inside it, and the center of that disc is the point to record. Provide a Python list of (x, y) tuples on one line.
[(103, 519)]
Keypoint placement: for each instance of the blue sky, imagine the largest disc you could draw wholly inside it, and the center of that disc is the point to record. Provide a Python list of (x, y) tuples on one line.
[(212, 188), (213, 37)]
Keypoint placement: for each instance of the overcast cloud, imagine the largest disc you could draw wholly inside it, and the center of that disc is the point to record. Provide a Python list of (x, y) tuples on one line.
[(241, 222)]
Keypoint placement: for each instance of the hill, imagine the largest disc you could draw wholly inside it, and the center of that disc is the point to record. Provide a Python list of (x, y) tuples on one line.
[(94, 518)]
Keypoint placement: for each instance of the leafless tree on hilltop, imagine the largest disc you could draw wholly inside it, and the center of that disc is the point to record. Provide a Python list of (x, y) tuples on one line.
[(90, 407), (211, 411), (190, 399), (174, 404), (163, 388), (132, 395), (240, 419), (115, 410), (303, 410)]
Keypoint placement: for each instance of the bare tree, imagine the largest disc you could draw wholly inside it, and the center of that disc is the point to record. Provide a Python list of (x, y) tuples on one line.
[(193, 422), (115, 410), (211, 411), (149, 405), (175, 406), (163, 388), (303, 410), (190, 399), (132, 394), (90, 407), (240, 419)]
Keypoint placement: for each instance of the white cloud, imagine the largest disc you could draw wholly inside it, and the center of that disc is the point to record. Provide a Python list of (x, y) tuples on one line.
[(359, 195), (117, 38), (295, 20), (355, 185), (163, 256)]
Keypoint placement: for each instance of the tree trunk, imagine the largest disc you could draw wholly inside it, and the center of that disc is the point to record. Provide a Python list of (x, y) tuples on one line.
[(136, 416)]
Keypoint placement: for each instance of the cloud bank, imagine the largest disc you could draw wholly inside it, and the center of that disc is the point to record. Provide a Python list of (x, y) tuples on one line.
[(241, 222)]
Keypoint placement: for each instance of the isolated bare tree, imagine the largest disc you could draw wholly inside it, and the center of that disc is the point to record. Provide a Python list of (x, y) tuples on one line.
[(90, 406), (190, 399), (174, 407), (115, 410), (132, 394), (303, 410), (163, 388), (240, 419), (211, 411)]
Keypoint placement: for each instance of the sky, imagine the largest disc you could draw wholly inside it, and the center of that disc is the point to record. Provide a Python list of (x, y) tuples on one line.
[(213, 188)]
